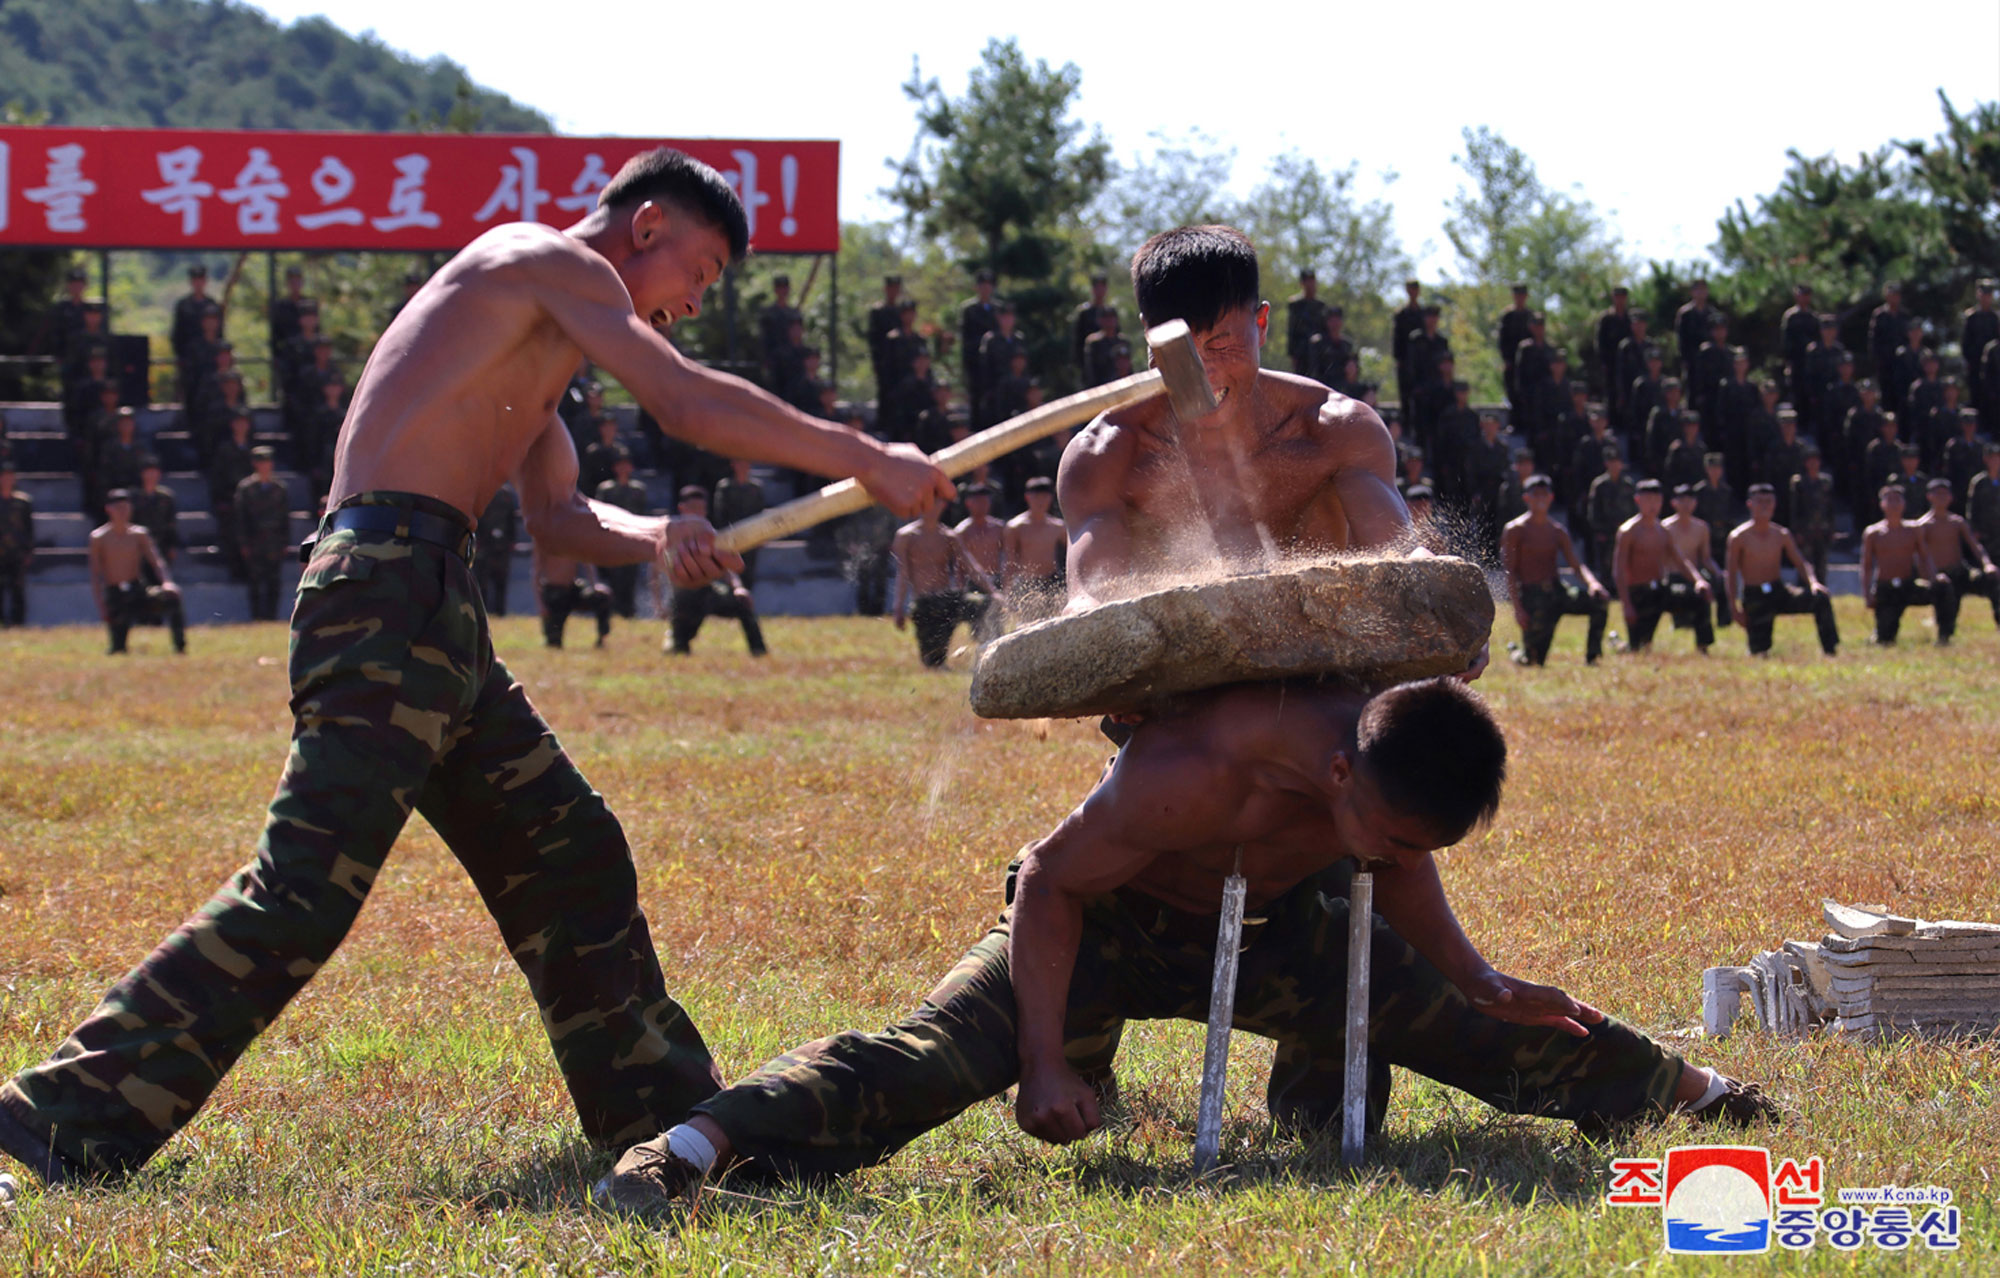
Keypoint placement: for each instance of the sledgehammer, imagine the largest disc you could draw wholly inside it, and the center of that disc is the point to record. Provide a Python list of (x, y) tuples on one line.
[(1176, 372)]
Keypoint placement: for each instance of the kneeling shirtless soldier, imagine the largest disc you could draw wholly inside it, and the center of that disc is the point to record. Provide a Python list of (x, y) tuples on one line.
[(1112, 918)]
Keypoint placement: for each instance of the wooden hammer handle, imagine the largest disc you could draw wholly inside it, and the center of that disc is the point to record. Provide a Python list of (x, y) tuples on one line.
[(847, 496)]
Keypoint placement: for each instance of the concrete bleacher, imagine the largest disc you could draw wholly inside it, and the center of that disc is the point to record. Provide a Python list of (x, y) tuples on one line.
[(790, 581)]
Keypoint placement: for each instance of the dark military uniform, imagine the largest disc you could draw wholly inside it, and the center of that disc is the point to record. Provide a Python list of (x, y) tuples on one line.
[(1691, 325), (1763, 605), (1663, 428), (1585, 465), (1612, 332), (884, 322), (1408, 323), (1546, 605), (1839, 399), (1822, 371), (455, 739), (560, 599), (1715, 505), (1922, 419), (717, 599), (733, 503), (493, 566), (1862, 428), (1007, 398), (600, 464), (1781, 462), (1426, 349), (1611, 503), (264, 532), (851, 1100), (285, 320), (1684, 464), (1988, 384), (1325, 359), (1486, 464), (774, 333), (1714, 364), (975, 320), (118, 465), (996, 362), (1641, 399), (1811, 522), (17, 547), (1305, 319), (227, 468), (1980, 328), (1082, 323), (1905, 372), (1882, 463), (1798, 330), (1513, 332), (1453, 438), (1736, 404), (186, 339), (623, 579), (1982, 510), (1530, 387), (1100, 357), (1963, 458), (1914, 485), (907, 403), (1886, 331), (159, 514), (1509, 504)]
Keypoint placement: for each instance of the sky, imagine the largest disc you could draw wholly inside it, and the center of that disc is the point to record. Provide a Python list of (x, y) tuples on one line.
[(1661, 115)]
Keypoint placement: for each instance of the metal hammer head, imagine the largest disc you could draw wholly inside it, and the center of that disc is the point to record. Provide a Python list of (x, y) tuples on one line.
[(1180, 368)]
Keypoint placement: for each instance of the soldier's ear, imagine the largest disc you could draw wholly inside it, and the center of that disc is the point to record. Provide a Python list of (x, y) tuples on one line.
[(649, 223)]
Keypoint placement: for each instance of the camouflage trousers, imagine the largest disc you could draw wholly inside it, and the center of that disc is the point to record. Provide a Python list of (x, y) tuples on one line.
[(853, 1099), (398, 704)]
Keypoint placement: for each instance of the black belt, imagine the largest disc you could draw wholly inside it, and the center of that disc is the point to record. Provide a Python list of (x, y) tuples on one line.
[(398, 521)]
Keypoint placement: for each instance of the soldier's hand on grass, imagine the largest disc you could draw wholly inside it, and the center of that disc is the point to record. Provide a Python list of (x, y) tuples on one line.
[(902, 618), (1056, 1105), (906, 481), (1507, 998), (690, 555)]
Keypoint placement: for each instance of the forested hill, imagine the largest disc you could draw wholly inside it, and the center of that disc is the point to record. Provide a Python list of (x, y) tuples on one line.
[(217, 64)]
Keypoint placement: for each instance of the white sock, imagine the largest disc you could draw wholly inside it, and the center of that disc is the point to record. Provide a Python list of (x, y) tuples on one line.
[(1717, 1085), (690, 1146)]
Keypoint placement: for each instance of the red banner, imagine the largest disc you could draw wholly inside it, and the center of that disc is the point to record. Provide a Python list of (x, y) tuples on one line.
[(188, 188)]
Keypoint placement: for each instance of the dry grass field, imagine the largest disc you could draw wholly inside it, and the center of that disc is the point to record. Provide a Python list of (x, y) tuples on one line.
[(821, 834)]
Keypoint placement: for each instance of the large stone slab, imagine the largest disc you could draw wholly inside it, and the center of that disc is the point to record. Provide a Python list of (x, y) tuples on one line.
[(1372, 621)]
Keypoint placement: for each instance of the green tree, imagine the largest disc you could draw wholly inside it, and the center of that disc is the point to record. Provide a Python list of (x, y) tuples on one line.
[(1002, 176), (1508, 227)]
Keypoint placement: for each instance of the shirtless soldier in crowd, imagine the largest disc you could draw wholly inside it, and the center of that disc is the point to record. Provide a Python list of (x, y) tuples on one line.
[(1032, 554), (1754, 578), (934, 576), (1646, 561), (982, 536), (119, 551), (1956, 553), (459, 396), (1897, 572), (1111, 918), (1695, 538), (1532, 550)]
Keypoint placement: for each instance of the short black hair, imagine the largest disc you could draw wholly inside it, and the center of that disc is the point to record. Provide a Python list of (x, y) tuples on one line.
[(666, 174), (1196, 274), (1432, 748)]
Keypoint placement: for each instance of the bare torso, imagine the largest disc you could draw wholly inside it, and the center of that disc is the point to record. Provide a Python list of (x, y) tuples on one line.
[(1895, 550), (928, 555), (1943, 537), (556, 570), (1645, 548), (1533, 550), (1272, 735), (117, 553), (1761, 552), (982, 539), (1690, 537), (461, 383), (1031, 546), (1200, 499)]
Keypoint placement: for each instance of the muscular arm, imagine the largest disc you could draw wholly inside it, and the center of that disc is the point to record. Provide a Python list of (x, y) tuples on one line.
[(1732, 576), (1090, 485), (713, 410), (96, 557), (1161, 795), (1589, 579), (151, 551), (1410, 897), (1621, 569), (1868, 567), (1364, 479)]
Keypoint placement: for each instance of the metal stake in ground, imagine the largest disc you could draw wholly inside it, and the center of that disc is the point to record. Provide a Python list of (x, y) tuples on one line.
[(1354, 1099), (1221, 1014)]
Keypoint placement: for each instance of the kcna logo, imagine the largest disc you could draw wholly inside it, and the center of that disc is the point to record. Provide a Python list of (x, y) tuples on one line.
[(1729, 1199)]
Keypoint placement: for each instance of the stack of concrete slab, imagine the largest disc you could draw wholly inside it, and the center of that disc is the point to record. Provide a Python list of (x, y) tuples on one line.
[(1876, 974)]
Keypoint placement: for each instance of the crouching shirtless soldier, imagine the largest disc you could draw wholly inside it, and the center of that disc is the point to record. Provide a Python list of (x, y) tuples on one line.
[(1112, 918), (1897, 572), (1532, 550), (119, 551), (400, 704), (1655, 577), (1957, 555), (1755, 566)]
